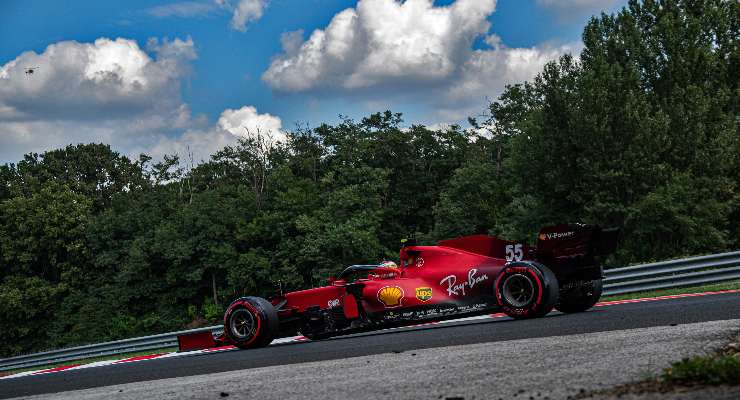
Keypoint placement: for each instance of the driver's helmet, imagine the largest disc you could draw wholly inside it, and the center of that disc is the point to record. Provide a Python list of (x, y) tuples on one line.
[(388, 264)]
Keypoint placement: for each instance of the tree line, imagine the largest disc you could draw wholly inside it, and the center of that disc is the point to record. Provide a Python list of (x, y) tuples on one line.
[(640, 132)]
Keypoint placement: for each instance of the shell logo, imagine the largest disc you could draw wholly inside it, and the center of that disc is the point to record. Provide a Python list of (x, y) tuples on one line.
[(390, 296)]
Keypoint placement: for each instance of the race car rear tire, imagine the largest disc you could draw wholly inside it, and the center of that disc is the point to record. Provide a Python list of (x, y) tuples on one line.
[(250, 322), (580, 298), (526, 290)]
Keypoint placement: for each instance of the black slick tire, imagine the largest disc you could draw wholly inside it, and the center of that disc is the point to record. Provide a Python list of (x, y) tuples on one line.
[(526, 290), (250, 322)]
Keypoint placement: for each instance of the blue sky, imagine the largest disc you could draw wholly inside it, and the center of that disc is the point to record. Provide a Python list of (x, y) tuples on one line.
[(195, 74)]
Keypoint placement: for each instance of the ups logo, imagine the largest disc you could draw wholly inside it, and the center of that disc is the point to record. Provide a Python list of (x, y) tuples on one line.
[(424, 293)]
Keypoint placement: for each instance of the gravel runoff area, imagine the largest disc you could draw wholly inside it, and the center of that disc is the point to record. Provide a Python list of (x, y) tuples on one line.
[(558, 367)]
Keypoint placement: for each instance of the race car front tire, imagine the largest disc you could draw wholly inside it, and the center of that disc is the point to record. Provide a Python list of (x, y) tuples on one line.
[(250, 322), (526, 290), (580, 298)]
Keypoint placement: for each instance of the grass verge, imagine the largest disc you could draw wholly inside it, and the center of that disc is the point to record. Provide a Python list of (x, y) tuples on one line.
[(719, 370), (706, 370), (715, 287)]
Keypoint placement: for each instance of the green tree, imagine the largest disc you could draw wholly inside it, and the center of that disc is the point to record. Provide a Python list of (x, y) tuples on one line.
[(93, 170), (650, 107), (42, 256), (474, 201), (346, 228)]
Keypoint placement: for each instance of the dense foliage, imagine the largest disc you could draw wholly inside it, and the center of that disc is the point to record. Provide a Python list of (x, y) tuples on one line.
[(640, 132)]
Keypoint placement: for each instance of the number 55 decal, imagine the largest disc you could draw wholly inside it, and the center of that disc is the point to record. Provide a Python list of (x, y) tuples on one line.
[(514, 252)]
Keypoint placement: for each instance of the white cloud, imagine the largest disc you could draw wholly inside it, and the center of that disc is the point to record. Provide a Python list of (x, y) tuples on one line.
[(77, 81), (291, 41), (232, 125), (200, 143), (487, 72), (247, 11), (247, 121), (439, 126), (108, 91), (410, 52), (114, 92), (185, 9), (381, 41), (243, 12), (574, 10)]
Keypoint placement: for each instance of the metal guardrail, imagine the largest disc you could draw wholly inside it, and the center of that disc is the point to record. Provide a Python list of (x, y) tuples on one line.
[(638, 278), (154, 342), (675, 273)]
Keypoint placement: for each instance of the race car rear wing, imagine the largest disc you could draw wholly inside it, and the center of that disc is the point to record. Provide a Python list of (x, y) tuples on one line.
[(569, 247), (558, 242)]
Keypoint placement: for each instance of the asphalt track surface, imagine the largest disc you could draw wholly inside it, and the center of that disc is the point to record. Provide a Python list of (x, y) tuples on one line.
[(600, 319)]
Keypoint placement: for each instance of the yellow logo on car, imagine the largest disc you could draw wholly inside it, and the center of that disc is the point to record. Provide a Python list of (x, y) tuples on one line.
[(424, 293), (390, 296)]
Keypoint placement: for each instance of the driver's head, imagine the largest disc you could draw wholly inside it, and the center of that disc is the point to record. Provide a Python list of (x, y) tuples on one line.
[(388, 264)]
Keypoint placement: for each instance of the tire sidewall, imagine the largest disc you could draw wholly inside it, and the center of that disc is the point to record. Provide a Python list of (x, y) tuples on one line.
[(543, 286), (258, 315)]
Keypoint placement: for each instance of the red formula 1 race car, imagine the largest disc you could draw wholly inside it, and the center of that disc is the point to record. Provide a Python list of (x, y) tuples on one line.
[(467, 275)]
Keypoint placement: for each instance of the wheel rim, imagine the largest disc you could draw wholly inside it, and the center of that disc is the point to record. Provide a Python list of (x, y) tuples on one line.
[(242, 325), (518, 290)]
